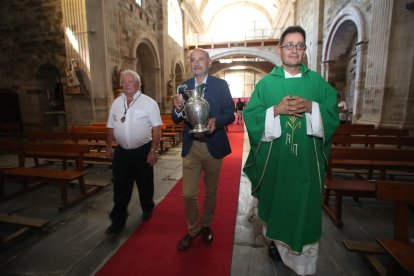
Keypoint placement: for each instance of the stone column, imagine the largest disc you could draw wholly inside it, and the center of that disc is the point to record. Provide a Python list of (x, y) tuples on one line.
[(328, 71), (87, 26), (360, 51), (377, 59)]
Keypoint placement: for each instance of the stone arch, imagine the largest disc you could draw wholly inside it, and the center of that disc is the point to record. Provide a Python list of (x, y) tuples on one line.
[(262, 67), (9, 106), (179, 72), (343, 57), (148, 67), (267, 53), (177, 77)]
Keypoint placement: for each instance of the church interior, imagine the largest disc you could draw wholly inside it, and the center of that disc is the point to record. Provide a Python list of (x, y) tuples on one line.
[(61, 64)]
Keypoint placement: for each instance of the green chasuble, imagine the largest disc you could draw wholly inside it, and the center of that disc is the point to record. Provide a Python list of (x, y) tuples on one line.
[(288, 173)]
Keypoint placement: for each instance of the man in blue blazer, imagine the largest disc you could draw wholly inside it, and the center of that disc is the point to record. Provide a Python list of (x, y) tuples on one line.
[(203, 152)]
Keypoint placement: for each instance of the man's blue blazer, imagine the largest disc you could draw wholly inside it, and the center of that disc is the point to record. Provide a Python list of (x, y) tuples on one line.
[(217, 94)]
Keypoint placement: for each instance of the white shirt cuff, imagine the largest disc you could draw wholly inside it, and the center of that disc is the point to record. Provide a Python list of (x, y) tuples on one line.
[(314, 126), (179, 114), (272, 126)]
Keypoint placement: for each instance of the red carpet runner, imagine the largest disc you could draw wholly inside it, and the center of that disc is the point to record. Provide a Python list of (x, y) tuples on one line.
[(152, 249)]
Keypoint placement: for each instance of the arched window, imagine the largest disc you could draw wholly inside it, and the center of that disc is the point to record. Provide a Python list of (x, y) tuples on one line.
[(175, 22)]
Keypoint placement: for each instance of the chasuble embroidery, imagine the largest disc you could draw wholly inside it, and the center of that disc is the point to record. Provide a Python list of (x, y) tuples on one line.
[(291, 126)]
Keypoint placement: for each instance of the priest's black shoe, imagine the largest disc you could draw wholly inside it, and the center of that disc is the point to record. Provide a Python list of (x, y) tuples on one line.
[(114, 229), (273, 252), (207, 235), (186, 241), (146, 216)]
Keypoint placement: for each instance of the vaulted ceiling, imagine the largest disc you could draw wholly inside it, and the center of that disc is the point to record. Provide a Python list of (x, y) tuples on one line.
[(269, 8), (276, 14)]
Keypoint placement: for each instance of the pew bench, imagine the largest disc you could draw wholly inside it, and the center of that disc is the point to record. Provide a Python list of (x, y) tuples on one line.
[(62, 177), (86, 128), (162, 145), (399, 248), (370, 131), (22, 226), (374, 141), (95, 140), (360, 158)]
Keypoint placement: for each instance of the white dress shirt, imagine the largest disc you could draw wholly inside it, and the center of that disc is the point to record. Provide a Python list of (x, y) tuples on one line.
[(142, 114)]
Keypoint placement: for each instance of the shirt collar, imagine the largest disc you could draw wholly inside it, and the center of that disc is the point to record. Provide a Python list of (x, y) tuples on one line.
[(288, 75), (136, 95), (197, 84)]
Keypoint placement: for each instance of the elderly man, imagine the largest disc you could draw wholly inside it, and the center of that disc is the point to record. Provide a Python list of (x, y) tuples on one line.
[(135, 124)]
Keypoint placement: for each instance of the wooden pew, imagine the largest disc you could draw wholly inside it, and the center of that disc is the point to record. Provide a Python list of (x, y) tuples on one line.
[(374, 141), (400, 248), (95, 140), (369, 131), (360, 158), (99, 124), (86, 128), (61, 177), (17, 130), (22, 225), (51, 137), (356, 126), (381, 159)]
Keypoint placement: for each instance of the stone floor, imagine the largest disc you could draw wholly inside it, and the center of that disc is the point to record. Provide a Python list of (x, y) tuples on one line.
[(74, 243)]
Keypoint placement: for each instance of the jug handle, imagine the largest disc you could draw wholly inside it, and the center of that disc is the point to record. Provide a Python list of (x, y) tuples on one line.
[(182, 87)]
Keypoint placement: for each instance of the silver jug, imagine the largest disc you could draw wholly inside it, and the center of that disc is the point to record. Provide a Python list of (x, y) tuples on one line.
[(197, 109)]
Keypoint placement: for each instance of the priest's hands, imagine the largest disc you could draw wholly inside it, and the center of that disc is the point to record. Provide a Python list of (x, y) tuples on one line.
[(293, 105)]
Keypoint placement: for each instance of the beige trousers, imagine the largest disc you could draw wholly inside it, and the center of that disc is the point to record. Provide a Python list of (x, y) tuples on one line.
[(196, 162)]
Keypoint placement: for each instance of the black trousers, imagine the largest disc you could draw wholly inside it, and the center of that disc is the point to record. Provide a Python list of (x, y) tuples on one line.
[(129, 166)]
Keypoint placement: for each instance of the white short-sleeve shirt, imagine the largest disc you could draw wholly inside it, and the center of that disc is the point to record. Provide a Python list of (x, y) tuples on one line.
[(142, 114)]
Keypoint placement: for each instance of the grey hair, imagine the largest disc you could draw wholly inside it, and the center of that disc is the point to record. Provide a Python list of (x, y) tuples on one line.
[(132, 73)]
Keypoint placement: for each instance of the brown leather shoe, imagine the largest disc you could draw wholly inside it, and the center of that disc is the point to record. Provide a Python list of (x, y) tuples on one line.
[(207, 235), (186, 241)]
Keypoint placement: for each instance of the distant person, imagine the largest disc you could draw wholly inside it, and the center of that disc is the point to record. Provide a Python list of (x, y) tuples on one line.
[(290, 118), (135, 124), (239, 111), (203, 153), (343, 110)]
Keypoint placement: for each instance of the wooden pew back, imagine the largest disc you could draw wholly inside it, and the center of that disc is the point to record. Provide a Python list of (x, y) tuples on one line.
[(371, 158), (401, 193), (400, 248), (73, 128), (400, 160), (371, 131), (374, 141)]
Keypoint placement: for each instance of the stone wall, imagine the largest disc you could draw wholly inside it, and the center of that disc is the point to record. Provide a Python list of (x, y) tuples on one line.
[(30, 41), (35, 48), (383, 60)]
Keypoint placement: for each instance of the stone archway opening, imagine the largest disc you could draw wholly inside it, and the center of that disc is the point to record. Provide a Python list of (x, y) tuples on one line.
[(172, 84), (241, 82), (146, 69), (343, 61)]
